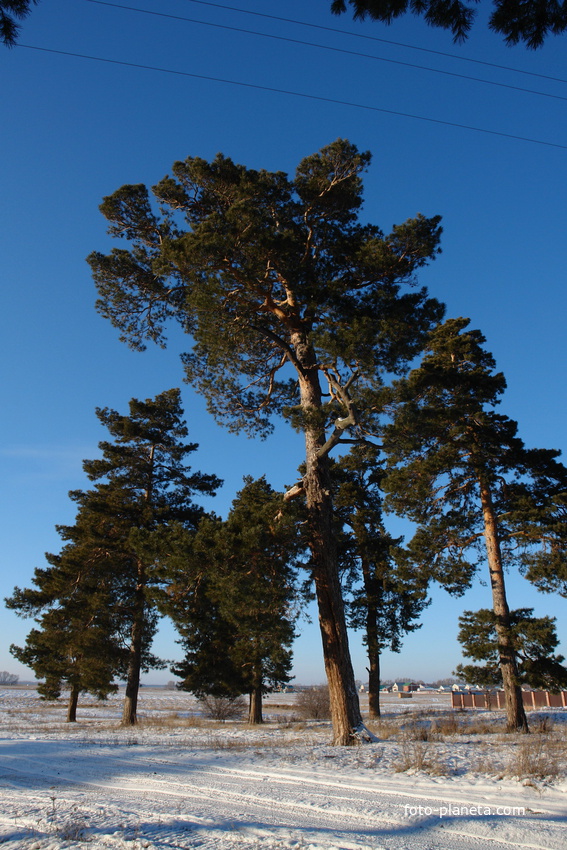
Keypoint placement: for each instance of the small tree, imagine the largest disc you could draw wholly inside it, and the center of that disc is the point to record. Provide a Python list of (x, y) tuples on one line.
[(535, 642), (8, 678), (79, 639), (287, 296), (234, 600), (460, 470), (314, 703)]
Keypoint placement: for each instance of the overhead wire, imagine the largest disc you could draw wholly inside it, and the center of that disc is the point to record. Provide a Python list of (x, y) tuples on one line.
[(366, 37), (294, 94), (326, 47)]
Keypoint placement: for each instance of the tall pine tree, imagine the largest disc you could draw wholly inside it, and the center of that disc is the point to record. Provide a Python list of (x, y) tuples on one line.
[(79, 641), (461, 472), (295, 308)]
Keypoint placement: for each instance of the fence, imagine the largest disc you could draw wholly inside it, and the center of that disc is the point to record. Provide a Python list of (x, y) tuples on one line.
[(496, 699)]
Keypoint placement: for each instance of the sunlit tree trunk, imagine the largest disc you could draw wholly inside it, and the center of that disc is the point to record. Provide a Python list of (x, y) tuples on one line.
[(348, 727), (515, 714)]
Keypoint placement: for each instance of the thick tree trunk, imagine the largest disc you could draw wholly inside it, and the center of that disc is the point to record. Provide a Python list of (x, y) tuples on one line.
[(72, 704), (130, 708), (255, 706), (515, 715), (348, 727)]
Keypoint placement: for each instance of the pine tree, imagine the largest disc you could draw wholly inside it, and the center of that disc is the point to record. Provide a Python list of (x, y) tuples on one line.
[(387, 591), (234, 599), (535, 641), (461, 472), (143, 483), (286, 296), (78, 641)]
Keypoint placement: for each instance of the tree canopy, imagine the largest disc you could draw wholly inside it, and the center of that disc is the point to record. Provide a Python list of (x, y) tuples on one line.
[(528, 21)]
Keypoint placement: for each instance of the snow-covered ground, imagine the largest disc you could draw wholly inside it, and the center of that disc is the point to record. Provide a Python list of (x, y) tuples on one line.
[(437, 779)]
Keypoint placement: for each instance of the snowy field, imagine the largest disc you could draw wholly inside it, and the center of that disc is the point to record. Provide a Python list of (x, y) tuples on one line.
[(437, 779)]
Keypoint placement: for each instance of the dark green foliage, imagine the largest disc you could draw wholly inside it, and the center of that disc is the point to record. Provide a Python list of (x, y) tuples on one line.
[(529, 21), (234, 597), (446, 439), (10, 12), (535, 642), (80, 639)]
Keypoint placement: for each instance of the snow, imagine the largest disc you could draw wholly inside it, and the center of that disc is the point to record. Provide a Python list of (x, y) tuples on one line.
[(179, 781)]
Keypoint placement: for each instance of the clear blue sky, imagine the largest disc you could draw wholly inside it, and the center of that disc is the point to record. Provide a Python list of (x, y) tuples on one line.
[(75, 129)]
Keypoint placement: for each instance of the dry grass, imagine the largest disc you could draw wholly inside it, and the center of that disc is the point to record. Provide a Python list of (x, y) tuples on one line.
[(540, 757), (420, 756)]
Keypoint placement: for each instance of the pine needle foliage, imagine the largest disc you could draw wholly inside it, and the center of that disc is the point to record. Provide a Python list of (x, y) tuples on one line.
[(527, 21), (535, 642)]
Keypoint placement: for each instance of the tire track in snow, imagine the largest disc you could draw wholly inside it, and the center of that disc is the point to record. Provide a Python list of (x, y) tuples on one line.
[(226, 802)]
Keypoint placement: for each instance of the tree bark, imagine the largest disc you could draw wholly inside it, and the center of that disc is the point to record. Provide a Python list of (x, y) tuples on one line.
[(372, 642), (130, 708), (255, 706), (348, 727), (516, 720), (72, 704)]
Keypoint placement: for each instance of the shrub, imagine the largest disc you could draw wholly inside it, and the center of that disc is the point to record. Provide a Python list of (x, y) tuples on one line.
[(222, 708), (314, 703)]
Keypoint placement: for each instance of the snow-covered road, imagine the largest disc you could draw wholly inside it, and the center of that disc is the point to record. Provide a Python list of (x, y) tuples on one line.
[(103, 787)]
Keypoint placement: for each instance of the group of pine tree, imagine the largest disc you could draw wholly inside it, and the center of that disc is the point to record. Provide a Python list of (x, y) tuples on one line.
[(296, 309)]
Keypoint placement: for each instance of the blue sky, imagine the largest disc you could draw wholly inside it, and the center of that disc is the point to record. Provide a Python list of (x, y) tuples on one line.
[(75, 129)]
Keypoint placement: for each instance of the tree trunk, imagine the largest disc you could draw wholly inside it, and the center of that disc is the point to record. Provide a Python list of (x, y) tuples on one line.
[(72, 704), (373, 681), (348, 727), (129, 711), (372, 642), (515, 715), (255, 706)]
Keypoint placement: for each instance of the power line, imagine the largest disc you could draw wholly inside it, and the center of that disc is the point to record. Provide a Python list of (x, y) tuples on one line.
[(327, 47), (293, 94), (380, 40)]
